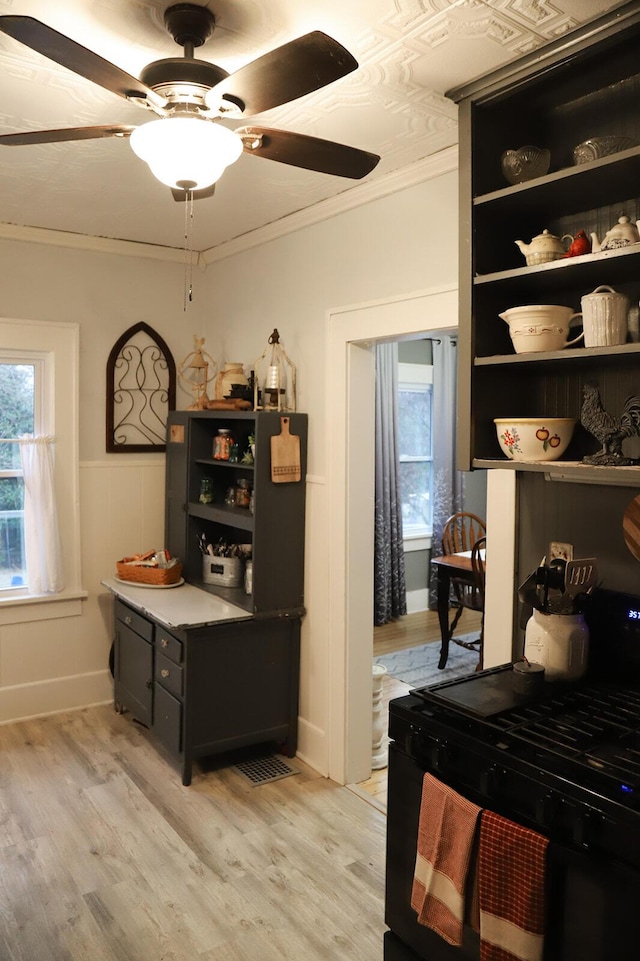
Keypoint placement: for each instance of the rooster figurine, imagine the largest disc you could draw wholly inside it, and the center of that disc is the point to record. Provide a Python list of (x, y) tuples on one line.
[(580, 244), (608, 430)]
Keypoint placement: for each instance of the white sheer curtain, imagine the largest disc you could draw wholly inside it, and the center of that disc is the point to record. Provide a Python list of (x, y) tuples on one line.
[(43, 551)]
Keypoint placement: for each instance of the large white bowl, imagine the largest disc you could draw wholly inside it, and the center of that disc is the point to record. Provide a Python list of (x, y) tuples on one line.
[(531, 439), (539, 327)]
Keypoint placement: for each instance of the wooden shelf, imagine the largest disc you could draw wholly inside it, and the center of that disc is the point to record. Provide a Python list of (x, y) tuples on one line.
[(555, 357), (572, 471), (569, 271), (231, 516), (605, 181)]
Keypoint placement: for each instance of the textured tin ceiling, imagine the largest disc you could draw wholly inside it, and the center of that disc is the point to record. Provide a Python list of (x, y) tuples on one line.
[(409, 51)]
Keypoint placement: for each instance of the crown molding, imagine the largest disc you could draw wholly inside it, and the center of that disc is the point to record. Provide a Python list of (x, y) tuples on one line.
[(103, 245), (428, 168)]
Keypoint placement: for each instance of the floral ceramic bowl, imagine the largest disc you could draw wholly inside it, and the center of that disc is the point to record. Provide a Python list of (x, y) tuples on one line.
[(531, 439)]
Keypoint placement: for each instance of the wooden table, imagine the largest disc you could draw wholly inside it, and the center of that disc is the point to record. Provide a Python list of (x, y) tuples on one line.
[(448, 566)]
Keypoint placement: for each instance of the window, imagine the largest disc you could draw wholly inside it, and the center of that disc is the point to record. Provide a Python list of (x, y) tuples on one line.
[(20, 389), (415, 397), (39, 366)]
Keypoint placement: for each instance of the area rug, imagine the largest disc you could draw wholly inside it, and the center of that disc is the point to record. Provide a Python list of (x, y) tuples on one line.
[(418, 666)]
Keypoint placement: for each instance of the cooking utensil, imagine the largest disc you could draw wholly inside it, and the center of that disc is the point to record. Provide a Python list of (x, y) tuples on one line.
[(580, 576), (285, 455)]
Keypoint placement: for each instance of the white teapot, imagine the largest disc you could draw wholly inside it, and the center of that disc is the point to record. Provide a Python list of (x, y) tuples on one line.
[(543, 248), (622, 234)]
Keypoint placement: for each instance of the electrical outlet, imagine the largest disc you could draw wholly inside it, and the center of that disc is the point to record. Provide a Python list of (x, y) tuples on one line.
[(559, 551)]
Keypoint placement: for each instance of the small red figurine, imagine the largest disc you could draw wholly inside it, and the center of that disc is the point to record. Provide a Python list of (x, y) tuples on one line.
[(580, 244)]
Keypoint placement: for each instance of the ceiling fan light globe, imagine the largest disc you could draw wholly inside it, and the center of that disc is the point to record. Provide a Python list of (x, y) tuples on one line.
[(179, 149)]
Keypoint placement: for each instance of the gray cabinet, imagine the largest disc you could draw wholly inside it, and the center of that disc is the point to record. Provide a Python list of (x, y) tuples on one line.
[(275, 529), (210, 668), (583, 85), (207, 689)]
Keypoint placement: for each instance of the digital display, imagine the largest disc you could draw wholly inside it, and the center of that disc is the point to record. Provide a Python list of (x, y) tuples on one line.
[(634, 615)]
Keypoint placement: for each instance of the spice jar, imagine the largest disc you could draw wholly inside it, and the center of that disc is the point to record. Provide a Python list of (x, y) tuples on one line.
[(230, 497), (206, 491), (243, 493), (222, 444)]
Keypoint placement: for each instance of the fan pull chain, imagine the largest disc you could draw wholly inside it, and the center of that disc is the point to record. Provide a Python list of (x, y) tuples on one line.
[(188, 250)]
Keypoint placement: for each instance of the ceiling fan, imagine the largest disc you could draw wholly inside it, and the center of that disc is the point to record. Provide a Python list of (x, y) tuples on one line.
[(190, 97)]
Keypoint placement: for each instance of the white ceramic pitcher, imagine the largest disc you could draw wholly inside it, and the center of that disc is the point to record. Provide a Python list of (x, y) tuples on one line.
[(560, 642)]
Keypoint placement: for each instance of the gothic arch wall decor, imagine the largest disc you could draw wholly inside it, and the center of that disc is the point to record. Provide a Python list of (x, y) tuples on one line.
[(141, 390)]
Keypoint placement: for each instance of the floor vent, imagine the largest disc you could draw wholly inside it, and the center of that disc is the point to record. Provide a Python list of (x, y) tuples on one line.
[(262, 770)]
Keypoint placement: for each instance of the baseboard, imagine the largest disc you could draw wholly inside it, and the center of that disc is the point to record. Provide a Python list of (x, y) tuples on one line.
[(418, 600), (312, 747), (54, 695)]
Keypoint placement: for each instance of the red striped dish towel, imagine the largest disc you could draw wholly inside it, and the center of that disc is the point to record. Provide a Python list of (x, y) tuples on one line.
[(511, 881), (446, 832)]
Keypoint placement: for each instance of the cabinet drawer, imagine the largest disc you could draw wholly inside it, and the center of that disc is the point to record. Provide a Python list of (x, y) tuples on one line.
[(135, 621), (168, 645), (168, 674), (167, 721)]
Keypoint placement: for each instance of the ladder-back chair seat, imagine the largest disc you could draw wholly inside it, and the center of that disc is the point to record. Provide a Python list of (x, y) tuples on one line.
[(465, 532)]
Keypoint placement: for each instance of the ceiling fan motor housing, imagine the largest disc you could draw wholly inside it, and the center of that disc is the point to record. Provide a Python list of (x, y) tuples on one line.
[(189, 24), (173, 71)]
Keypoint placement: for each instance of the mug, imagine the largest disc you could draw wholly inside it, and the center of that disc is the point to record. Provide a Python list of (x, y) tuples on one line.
[(604, 317)]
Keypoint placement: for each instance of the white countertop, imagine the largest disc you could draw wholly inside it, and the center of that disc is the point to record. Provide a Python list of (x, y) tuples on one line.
[(183, 606)]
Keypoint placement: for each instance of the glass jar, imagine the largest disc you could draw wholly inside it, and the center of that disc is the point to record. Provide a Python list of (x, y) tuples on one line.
[(243, 493), (206, 491), (230, 497), (248, 577), (222, 444)]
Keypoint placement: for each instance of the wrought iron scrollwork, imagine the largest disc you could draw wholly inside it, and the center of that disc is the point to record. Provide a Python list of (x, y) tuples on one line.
[(141, 390)]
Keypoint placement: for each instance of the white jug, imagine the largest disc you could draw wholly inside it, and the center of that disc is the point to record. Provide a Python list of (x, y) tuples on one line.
[(604, 317), (560, 642)]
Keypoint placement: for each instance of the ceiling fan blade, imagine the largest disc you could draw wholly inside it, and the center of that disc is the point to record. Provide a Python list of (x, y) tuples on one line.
[(286, 73), (66, 133), (310, 153), (182, 195), (55, 46)]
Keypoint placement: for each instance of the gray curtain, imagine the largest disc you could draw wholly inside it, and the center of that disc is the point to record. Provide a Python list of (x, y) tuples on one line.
[(390, 599), (447, 481)]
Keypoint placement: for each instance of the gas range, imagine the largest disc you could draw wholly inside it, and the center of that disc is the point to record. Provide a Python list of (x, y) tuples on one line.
[(588, 732), (565, 762)]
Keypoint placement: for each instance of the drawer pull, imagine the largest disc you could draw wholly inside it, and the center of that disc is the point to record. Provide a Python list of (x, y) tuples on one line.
[(164, 642), (164, 672), (128, 620)]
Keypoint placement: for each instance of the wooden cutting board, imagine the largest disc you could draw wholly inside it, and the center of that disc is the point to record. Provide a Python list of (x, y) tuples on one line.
[(631, 527), (285, 455)]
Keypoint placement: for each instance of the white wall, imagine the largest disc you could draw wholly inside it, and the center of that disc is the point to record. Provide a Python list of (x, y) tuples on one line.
[(389, 248), (402, 243), (51, 665)]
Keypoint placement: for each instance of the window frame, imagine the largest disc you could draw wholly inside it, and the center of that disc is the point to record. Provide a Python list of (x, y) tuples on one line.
[(57, 345), (416, 377), (38, 360)]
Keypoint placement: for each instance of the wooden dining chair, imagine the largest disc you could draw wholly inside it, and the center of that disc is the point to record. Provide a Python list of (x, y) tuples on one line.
[(463, 532)]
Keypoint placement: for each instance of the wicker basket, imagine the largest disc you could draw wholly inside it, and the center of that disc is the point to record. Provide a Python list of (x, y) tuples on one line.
[(148, 575)]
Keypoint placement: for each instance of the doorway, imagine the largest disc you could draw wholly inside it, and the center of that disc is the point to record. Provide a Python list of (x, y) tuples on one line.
[(351, 332)]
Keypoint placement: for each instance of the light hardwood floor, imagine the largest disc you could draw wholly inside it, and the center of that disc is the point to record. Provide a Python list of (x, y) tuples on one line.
[(107, 857), (409, 631)]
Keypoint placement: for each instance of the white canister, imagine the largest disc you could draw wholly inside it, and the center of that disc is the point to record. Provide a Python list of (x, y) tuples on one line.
[(560, 642), (604, 317)]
